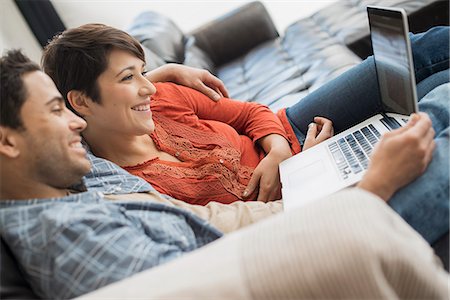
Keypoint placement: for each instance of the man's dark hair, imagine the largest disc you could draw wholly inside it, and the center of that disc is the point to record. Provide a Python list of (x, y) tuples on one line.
[(13, 65), (78, 56)]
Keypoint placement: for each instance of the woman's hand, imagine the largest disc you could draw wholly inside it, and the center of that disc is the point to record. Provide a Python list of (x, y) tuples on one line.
[(319, 131), (400, 157), (266, 176), (198, 79)]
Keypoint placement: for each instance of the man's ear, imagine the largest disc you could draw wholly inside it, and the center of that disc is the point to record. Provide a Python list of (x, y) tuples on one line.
[(9, 142), (80, 102)]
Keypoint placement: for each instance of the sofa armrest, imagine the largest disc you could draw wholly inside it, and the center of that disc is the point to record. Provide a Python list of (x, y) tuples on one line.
[(235, 33), (434, 14), (422, 15)]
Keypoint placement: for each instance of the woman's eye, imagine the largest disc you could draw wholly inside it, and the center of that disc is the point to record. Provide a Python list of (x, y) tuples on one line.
[(57, 110), (129, 77), (144, 73)]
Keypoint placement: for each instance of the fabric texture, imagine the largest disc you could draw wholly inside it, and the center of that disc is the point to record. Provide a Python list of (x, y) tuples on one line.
[(225, 217), (215, 142), (108, 178), (347, 246), (424, 203), (76, 244)]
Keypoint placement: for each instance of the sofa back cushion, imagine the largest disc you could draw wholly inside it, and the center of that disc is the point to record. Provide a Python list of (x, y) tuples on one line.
[(160, 35), (280, 72), (196, 57), (164, 42), (347, 22), (235, 33)]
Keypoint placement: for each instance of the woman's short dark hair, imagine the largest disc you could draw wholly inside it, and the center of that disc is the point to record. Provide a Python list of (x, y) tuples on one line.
[(13, 65), (78, 56)]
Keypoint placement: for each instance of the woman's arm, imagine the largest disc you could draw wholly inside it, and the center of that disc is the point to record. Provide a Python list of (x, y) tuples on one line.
[(251, 119), (189, 106), (198, 79)]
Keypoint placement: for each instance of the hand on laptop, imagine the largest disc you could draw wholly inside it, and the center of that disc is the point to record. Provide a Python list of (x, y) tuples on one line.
[(400, 156), (318, 131)]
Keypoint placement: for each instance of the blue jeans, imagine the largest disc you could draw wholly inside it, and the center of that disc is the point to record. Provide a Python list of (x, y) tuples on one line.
[(354, 96)]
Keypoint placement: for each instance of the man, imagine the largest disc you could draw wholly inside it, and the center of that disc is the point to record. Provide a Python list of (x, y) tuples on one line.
[(71, 242)]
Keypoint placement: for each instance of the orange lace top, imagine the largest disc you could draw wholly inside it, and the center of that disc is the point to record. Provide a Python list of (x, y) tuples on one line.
[(215, 142)]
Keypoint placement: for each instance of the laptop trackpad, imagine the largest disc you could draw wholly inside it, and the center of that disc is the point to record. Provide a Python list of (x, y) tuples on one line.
[(307, 173), (307, 176)]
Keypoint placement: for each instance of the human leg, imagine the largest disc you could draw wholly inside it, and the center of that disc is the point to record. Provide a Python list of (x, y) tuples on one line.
[(346, 100), (354, 96), (424, 203), (430, 51), (350, 245), (431, 82)]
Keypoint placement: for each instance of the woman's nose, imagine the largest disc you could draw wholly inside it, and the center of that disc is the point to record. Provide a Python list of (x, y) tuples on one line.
[(147, 89)]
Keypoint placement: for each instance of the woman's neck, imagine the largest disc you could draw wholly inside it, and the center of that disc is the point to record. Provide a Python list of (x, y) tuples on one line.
[(124, 150)]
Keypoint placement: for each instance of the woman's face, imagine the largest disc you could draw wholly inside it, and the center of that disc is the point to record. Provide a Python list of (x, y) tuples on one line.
[(124, 97)]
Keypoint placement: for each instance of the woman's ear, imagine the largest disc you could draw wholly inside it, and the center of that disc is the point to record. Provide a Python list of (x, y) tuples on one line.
[(9, 145), (79, 102)]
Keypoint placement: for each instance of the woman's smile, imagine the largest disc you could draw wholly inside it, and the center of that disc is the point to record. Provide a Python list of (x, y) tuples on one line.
[(142, 107)]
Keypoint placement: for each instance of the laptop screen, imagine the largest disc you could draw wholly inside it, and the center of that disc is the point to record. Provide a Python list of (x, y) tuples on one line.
[(393, 60)]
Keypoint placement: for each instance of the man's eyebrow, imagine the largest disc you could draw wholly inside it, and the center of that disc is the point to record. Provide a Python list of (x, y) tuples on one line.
[(55, 99), (129, 68)]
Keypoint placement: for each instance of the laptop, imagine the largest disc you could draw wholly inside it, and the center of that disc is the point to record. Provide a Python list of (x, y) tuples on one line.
[(341, 161)]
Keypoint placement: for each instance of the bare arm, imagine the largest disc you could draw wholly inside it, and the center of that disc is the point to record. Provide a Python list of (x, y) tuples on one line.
[(400, 157), (198, 79)]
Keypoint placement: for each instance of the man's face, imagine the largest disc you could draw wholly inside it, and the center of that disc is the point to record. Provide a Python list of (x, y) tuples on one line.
[(51, 141)]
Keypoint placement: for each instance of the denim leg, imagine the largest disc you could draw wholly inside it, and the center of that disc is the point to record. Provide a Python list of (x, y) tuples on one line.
[(430, 51), (354, 96), (424, 203), (427, 85), (347, 100)]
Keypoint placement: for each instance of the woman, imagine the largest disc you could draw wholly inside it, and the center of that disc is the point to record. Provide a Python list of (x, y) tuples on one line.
[(186, 145), (182, 142)]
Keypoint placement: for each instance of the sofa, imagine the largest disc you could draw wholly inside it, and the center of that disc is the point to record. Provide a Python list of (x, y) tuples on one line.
[(257, 63)]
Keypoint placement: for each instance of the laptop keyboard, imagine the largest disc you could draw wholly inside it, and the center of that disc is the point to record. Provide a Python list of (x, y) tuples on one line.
[(390, 123), (351, 153)]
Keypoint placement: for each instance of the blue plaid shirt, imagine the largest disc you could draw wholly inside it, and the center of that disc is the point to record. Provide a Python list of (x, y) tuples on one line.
[(73, 245)]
